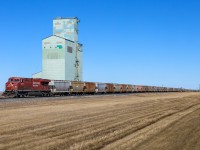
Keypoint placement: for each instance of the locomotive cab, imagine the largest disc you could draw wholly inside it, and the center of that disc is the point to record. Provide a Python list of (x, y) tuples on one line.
[(12, 84)]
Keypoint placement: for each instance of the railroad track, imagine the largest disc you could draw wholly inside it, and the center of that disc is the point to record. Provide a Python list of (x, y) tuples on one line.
[(7, 99), (63, 97)]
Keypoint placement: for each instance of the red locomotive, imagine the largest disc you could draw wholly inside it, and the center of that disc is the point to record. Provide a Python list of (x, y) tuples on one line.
[(22, 87)]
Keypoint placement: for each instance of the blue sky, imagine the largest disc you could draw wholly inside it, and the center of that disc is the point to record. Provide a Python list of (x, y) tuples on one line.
[(148, 42)]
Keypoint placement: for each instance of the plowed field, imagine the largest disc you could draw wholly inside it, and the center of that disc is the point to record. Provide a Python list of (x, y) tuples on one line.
[(166, 121)]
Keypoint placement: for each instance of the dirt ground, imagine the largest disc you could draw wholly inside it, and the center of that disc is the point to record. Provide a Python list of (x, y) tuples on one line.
[(166, 121)]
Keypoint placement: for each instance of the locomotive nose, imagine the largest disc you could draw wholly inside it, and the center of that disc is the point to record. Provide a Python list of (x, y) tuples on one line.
[(10, 86)]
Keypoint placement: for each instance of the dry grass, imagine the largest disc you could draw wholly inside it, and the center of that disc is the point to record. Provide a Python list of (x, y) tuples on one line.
[(140, 121)]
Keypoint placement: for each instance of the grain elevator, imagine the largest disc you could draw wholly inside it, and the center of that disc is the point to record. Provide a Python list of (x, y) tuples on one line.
[(61, 52)]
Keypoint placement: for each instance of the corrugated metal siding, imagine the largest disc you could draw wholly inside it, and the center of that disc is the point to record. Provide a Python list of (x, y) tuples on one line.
[(65, 28), (70, 61), (57, 62), (53, 58)]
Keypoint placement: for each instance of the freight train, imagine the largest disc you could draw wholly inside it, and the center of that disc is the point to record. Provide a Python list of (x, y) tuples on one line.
[(25, 87)]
